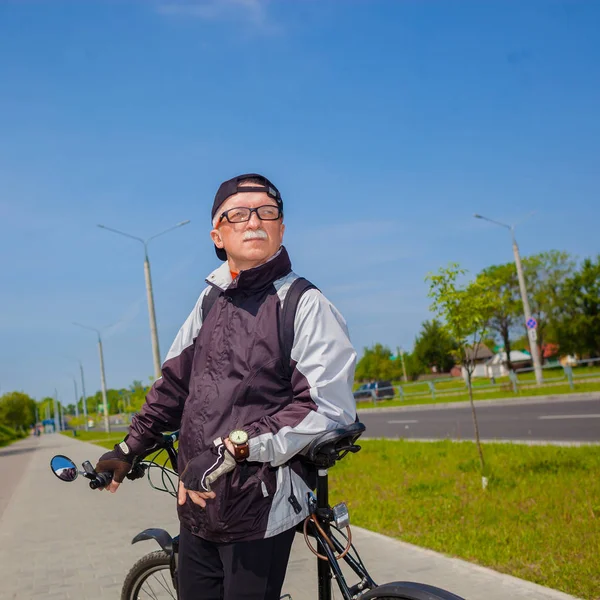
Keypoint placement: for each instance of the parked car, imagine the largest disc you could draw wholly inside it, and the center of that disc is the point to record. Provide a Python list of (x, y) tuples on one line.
[(378, 390)]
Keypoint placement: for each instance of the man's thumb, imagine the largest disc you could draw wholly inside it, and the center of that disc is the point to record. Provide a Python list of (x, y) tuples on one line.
[(181, 494)]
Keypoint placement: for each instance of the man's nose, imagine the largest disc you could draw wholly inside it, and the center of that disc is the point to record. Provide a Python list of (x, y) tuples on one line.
[(254, 221)]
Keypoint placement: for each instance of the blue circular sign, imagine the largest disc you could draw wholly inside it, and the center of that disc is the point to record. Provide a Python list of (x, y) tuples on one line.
[(531, 323)]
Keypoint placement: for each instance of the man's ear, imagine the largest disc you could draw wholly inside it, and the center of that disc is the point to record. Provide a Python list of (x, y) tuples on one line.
[(216, 238)]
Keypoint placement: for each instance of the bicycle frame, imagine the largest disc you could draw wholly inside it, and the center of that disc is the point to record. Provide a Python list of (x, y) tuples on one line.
[(326, 569)]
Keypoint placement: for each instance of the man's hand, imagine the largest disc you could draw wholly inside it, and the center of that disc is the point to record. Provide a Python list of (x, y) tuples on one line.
[(198, 498), (116, 462), (203, 470), (223, 463)]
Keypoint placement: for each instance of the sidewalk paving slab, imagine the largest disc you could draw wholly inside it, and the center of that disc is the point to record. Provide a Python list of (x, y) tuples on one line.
[(63, 540)]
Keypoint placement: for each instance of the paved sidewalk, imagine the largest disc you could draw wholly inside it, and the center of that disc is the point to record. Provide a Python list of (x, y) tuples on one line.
[(62, 540)]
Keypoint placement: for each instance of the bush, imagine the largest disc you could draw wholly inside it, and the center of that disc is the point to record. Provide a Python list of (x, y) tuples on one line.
[(8, 435)]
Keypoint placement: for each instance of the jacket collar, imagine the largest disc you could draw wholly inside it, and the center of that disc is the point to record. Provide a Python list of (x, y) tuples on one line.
[(276, 267)]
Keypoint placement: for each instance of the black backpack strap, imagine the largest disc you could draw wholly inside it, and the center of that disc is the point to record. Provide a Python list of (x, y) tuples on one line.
[(286, 322), (208, 301)]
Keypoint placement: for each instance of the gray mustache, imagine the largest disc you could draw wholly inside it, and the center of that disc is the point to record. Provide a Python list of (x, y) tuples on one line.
[(255, 234)]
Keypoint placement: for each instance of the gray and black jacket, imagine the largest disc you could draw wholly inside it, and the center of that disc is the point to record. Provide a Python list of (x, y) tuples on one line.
[(227, 373)]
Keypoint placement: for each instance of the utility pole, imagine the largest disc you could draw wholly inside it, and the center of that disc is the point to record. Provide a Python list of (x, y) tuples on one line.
[(531, 333), (152, 316), (56, 413), (84, 401), (149, 291), (403, 365), (102, 375), (103, 382), (76, 399)]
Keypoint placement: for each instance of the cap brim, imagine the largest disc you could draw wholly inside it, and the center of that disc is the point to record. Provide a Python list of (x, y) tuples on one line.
[(221, 253)]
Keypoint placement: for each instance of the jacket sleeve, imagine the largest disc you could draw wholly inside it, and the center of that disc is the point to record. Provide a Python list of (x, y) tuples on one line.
[(164, 403), (323, 361)]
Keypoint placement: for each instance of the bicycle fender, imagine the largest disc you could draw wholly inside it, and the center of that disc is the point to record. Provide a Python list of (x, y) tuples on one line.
[(410, 589), (164, 540)]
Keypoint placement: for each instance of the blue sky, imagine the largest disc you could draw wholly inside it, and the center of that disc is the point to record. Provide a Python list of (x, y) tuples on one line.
[(386, 125)]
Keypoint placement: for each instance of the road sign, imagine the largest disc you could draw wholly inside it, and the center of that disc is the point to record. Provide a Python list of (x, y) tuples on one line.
[(531, 323), (532, 335)]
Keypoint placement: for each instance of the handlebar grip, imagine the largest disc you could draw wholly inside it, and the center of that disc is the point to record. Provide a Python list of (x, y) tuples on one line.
[(101, 480)]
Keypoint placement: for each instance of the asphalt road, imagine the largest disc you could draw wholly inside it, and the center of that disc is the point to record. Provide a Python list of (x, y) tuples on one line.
[(560, 421), (556, 420)]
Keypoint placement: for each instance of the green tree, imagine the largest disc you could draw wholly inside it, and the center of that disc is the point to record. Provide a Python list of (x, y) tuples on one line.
[(434, 347), (414, 367), (466, 311), (578, 329), (376, 363), (17, 410), (137, 395), (507, 303), (45, 408), (546, 274)]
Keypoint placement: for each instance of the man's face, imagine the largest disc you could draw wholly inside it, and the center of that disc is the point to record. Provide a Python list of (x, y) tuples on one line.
[(250, 243)]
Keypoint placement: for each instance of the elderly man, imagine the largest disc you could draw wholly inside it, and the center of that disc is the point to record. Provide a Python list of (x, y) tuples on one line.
[(244, 407)]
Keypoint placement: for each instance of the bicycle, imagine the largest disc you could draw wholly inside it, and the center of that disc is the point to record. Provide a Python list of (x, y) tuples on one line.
[(156, 572)]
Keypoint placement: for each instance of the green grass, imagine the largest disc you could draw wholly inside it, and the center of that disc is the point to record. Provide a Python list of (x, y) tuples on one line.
[(101, 438), (485, 395), (539, 518), (108, 440)]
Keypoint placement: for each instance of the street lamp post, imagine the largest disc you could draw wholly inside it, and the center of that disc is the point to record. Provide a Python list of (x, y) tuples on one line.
[(149, 291), (531, 333), (76, 399), (84, 401), (56, 413), (400, 352), (102, 376)]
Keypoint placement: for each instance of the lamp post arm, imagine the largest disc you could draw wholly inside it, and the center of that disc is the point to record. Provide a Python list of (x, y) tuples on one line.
[(133, 237), (166, 231)]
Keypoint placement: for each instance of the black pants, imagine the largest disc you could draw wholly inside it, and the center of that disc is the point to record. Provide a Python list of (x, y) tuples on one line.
[(252, 570)]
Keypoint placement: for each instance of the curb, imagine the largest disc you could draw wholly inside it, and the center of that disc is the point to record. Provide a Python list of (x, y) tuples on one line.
[(495, 402)]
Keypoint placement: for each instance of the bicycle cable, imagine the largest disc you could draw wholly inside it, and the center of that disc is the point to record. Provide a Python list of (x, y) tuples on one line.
[(167, 475), (326, 537)]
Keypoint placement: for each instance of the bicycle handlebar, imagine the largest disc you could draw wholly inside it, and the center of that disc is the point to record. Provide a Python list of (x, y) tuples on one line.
[(138, 470)]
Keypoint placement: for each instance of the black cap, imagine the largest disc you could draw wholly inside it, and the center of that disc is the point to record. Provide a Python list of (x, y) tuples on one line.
[(231, 187)]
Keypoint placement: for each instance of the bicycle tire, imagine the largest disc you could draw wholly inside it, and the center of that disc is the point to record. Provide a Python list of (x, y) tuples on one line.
[(140, 572), (407, 590)]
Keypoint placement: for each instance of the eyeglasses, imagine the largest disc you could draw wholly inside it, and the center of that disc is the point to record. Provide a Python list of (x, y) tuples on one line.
[(268, 212)]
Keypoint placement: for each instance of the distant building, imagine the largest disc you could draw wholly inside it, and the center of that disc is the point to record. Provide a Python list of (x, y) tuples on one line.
[(496, 366), (479, 356)]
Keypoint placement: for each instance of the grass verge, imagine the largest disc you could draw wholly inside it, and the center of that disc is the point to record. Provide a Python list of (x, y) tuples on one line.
[(533, 391), (539, 518), (101, 438)]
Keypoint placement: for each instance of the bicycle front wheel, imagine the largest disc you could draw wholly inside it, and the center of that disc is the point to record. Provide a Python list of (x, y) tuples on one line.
[(408, 590), (150, 578)]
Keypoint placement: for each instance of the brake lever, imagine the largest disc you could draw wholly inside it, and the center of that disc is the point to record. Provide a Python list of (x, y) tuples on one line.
[(137, 471)]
